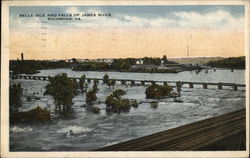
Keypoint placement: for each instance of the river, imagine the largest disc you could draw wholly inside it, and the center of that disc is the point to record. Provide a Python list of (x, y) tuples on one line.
[(91, 131)]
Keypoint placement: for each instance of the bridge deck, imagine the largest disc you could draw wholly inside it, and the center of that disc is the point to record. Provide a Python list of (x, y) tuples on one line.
[(31, 77), (189, 137)]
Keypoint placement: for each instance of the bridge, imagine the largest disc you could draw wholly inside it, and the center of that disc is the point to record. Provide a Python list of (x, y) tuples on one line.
[(205, 85), (224, 132)]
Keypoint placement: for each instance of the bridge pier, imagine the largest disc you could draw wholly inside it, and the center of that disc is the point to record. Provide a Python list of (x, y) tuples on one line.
[(152, 82), (142, 83), (191, 85), (123, 82), (219, 86), (235, 88), (132, 82), (204, 85)]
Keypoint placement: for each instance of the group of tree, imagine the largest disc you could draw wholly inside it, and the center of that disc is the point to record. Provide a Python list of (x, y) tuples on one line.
[(107, 81), (34, 115), (15, 94), (116, 104), (156, 91), (82, 85), (32, 66), (151, 61), (91, 94), (63, 90), (123, 64), (231, 62)]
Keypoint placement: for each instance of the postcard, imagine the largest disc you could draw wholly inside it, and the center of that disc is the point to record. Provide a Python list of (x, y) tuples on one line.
[(125, 79)]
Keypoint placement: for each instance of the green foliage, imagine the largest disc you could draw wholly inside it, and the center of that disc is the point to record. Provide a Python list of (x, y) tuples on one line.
[(123, 64), (153, 105), (62, 89), (150, 60), (106, 79), (232, 63), (165, 60), (91, 97), (111, 83), (118, 93), (95, 86), (95, 110), (82, 82), (134, 103), (178, 87), (32, 66), (35, 115), (158, 91), (115, 103), (15, 97)]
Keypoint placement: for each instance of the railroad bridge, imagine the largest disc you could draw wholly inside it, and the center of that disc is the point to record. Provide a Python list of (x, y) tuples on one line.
[(205, 85)]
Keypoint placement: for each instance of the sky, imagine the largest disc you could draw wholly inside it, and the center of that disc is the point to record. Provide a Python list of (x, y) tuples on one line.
[(126, 31)]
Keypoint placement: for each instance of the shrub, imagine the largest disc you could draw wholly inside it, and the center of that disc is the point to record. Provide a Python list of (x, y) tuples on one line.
[(153, 105), (35, 115), (158, 91), (90, 97), (134, 103), (15, 97), (95, 110), (106, 79), (82, 82), (115, 103)]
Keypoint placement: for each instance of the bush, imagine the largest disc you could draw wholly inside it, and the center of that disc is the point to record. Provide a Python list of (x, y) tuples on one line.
[(90, 97), (95, 110), (35, 115), (158, 91), (134, 103), (115, 103), (106, 79), (15, 100), (153, 105)]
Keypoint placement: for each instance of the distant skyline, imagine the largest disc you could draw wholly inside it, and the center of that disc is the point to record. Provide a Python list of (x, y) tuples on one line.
[(130, 31)]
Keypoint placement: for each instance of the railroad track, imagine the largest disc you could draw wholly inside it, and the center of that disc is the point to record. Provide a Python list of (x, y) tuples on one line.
[(189, 137)]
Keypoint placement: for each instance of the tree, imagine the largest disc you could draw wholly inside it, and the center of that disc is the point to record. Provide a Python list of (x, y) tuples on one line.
[(115, 103), (95, 86), (62, 89), (106, 79), (165, 60), (112, 82), (90, 97), (82, 82), (178, 87), (15, 97), (158, 91)]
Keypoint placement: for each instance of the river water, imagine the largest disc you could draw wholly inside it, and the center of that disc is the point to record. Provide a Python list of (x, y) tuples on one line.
[(92, 131)]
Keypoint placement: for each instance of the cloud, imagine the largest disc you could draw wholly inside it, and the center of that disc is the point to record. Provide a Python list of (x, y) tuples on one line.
[(217, 19), (73, 10)]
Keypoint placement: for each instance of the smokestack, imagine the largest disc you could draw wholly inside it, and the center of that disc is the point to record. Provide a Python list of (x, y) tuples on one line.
[(22, 56)]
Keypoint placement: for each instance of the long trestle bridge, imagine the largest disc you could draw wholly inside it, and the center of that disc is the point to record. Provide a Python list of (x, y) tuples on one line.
[(205, 85)]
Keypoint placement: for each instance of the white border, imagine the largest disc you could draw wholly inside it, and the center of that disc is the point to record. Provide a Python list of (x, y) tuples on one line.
[(5, 80)]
